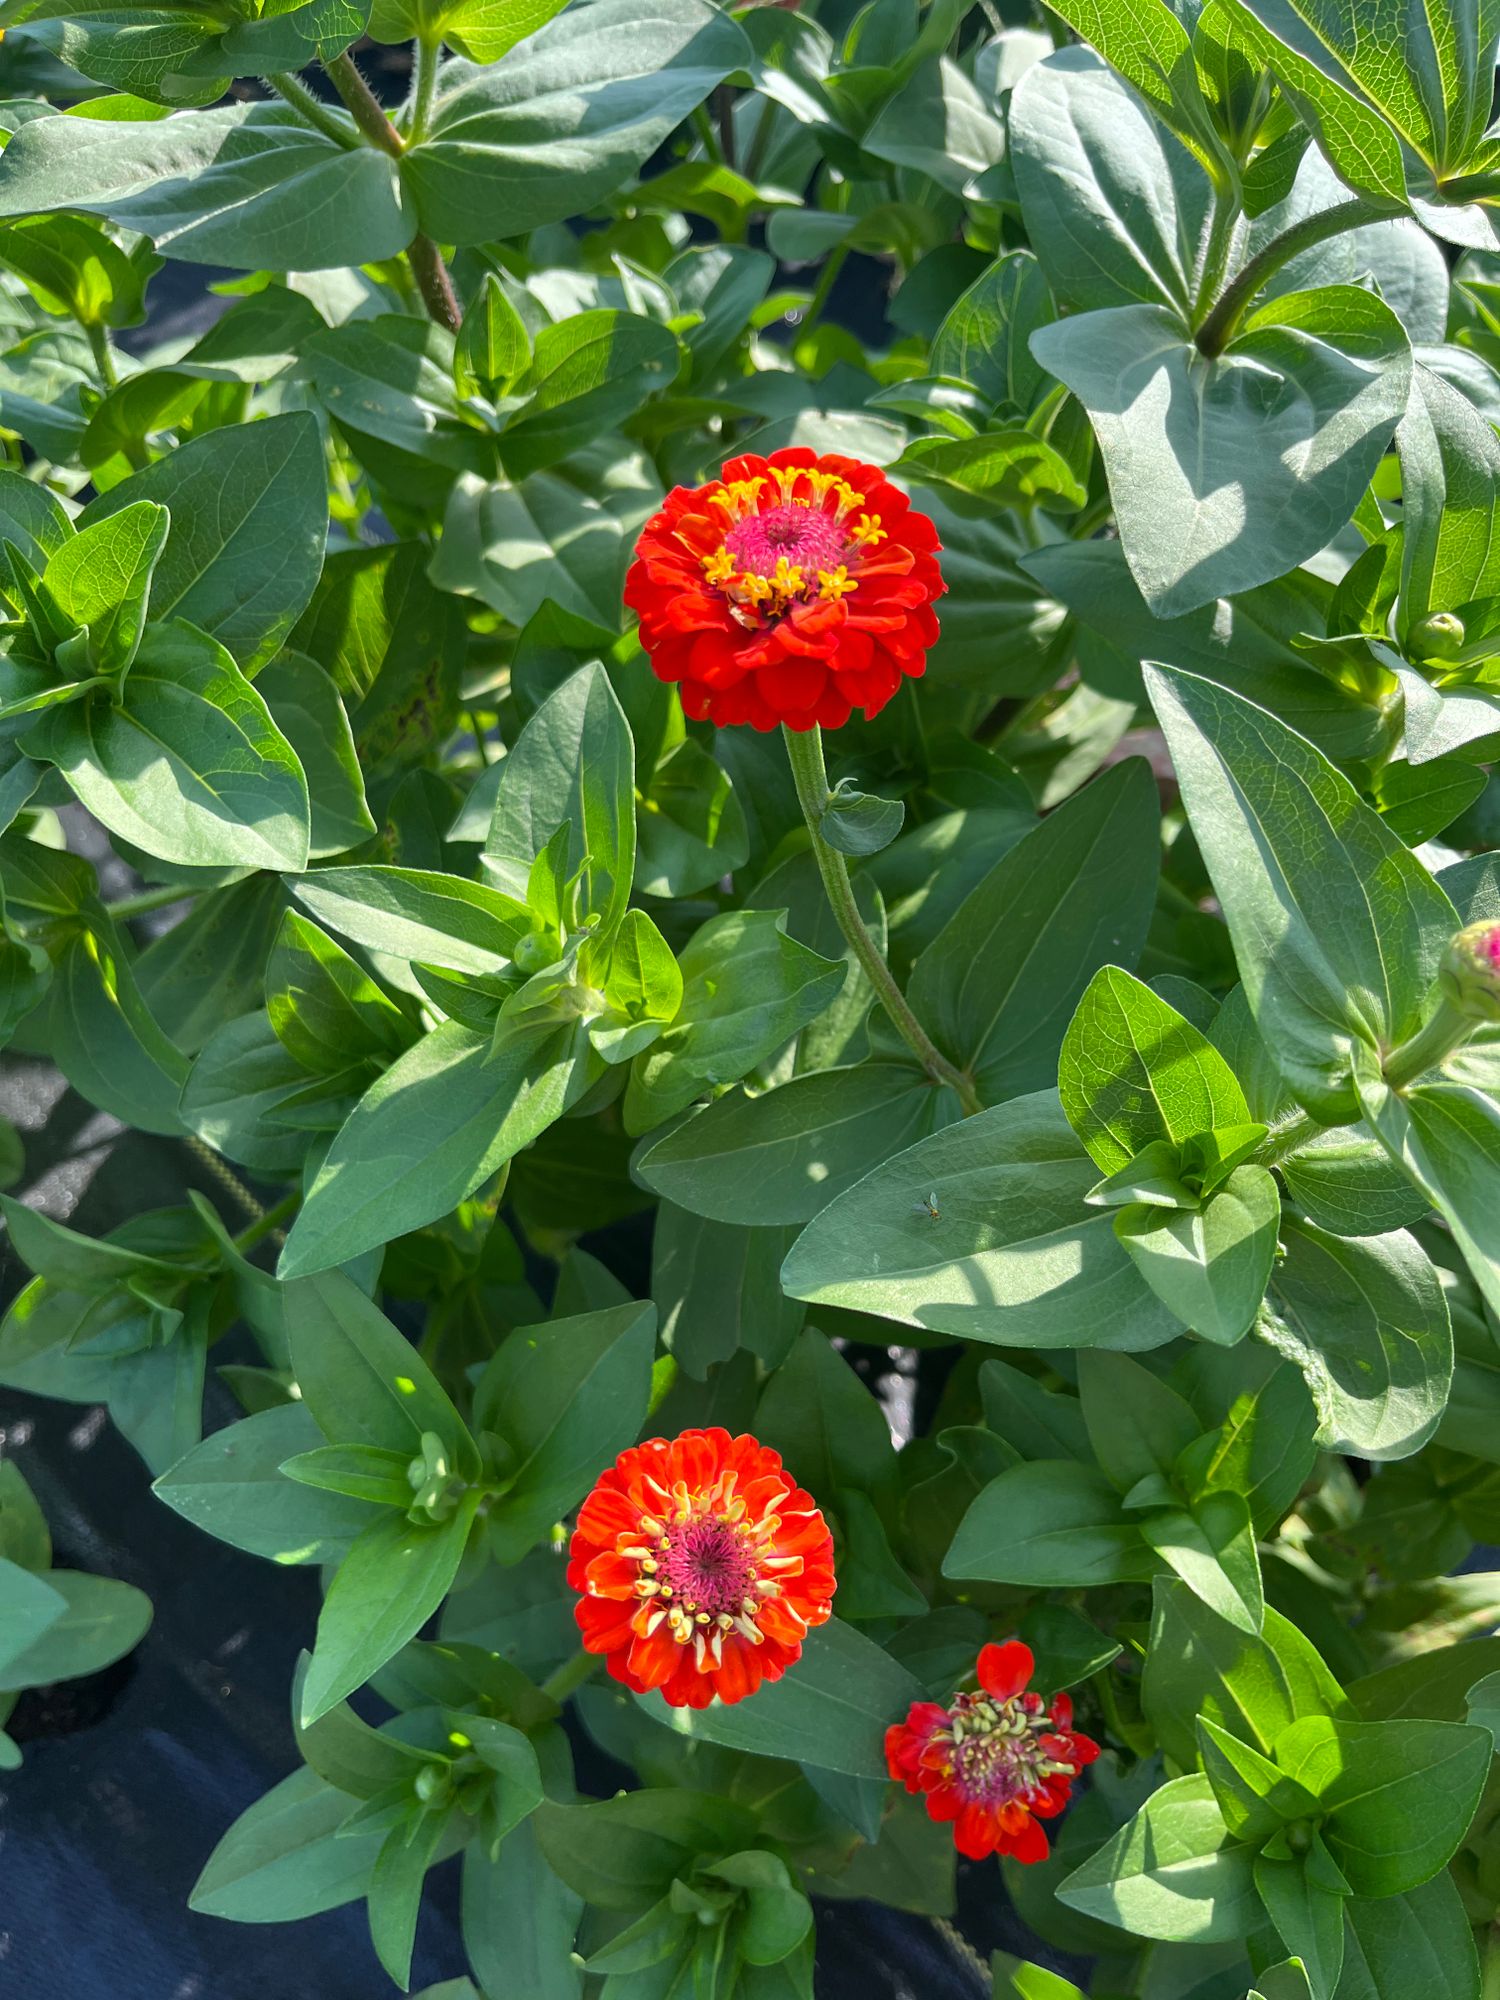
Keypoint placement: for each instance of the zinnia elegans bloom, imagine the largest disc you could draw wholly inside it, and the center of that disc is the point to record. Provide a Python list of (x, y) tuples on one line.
[(792, 589), (997, 1762), (701, 1565)]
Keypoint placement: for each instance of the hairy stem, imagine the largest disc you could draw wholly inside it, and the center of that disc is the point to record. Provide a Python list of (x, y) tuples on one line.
[(104, 359), (426, 260), (804, 748), (424, 77), (310, 108), (1219, 328)]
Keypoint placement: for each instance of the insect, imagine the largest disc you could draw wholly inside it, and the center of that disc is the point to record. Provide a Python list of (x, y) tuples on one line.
[(928, 1207)]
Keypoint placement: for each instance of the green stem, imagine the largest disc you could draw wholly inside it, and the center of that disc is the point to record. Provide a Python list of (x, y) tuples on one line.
[(1142, 1968), (1446, 1031), (1280, 1144), (104, 359), (826, 277), (310, 108), (264, 1225), (481, 742), (724, 119), (804, 749), (1220, 241), (146, 900), (1219, 328), (424, 77), (426, 260), (572, 1674), (1491, 1987)]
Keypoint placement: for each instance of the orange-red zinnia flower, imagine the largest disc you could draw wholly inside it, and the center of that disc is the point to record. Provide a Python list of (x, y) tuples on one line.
[(997, 1762), (791, 589), (701, 1564)]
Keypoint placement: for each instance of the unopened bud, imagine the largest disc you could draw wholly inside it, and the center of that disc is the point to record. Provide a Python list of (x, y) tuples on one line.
[(532, 953), (431, 1784), (1439, 636), (1470, 972)]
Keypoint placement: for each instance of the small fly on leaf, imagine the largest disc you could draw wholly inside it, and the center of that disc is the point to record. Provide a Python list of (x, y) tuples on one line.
[(927, 1207)]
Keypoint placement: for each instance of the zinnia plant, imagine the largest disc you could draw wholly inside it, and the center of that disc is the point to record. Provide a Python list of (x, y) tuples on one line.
[(750, 957)]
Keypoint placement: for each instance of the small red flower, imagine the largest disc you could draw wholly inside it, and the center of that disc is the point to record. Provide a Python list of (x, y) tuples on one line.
[(792, 589), (701, 1564), (997, 1762)]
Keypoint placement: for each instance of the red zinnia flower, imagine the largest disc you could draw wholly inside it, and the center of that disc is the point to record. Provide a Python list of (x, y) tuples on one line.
[(792, 589), (702, 1565), (996, 1762)]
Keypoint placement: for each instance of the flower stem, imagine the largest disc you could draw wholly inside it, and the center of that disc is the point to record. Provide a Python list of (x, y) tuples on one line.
[(104, 359), (804, 749), (424, 77), (1448, 1030), (834, 263), (561, 1682), (1219, 328), (426, 260), (146, 900)]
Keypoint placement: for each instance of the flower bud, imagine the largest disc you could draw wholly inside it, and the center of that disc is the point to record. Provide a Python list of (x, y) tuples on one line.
[(532, 953), (431, 1784), (1439, 636), (1470, 972)]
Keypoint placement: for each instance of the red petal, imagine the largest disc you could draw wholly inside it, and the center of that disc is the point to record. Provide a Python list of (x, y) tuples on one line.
[(1005, 1670)]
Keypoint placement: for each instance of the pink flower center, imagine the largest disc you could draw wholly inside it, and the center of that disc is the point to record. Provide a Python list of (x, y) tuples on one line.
[(806, 537), (1492, 945), (997, 1751), (707, 1566)]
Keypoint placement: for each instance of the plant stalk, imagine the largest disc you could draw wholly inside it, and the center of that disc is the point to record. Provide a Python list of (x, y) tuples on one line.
[(424, 78), (834, 263), (104, 359), (1219, 328), (561, 1682), (310, 108), (146, 900), (804, 749), (426, 260), (265, 1225), (1447, 1030)]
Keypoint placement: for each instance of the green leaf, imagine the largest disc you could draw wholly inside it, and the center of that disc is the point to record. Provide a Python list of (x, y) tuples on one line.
[(387, 1587), (249, 514), (589, 373), (1446, 1136), (1308, 1918), (519, 1919), (995, 985), (1401, 1945), (71, 266), (982, 1230), (718, 1289), (250, 186), (1337, 926), (747, 988), (493, 349), (1227, 472), (831, 1709), (1450, 487), (1209, 1266), (105, 1040), (1132, 1071), (396, 1885), (983, 338), (1172, 1872), (1212, 1548), (622, 1853), (1255, 1687), (1003, 468), (1137, 1425), (419, 915), (285, 1857), (1254, 1797), (1114, 208), (1148, 44), (1287, 1981), (1366, 1321), (325, 1008), (185, 761), (575, 111), (938, 124), (444, 1117), (363, 1380), (306, 708), (566, 1398), (100, 581), (101, 1619), (1397, 1797), (572, 766), (231, 1485), (823, 1420), (779, 1157), (28, 1605), (1051, 1524)]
